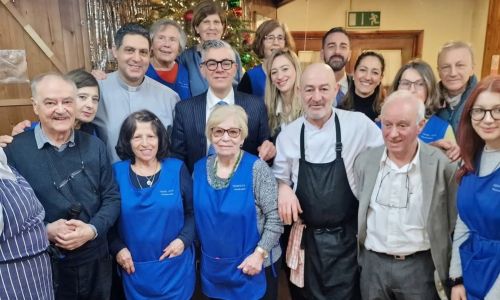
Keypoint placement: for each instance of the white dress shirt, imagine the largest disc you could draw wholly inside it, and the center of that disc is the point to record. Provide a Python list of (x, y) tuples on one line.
[(344, 84), (396, 218), (212, 101), (358, 134)]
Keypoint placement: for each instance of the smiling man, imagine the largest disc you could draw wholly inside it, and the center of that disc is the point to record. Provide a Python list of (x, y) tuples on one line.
[(315, 154), (70, 174), (188, 135), (336, 52), (406, 191), (456, 70), (128, 89)]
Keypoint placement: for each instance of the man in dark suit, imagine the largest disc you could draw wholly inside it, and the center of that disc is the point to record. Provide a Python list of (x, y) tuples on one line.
[(406, 191), (188, 135)]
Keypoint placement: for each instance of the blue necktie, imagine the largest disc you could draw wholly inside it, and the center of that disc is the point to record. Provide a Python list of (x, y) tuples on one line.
[(340, 96), (211, 149)]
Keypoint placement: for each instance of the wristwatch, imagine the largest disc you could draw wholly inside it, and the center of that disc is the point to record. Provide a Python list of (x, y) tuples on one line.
[(262, 251), (455, 281)]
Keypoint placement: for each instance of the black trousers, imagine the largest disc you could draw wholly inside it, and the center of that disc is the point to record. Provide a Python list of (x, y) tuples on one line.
[(90, 281)]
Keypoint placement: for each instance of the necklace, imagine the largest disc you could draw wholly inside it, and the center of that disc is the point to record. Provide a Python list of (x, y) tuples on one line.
[(149, 179), (220, 183)]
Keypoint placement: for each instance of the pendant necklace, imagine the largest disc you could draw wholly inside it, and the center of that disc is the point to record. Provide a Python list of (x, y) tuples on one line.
[(149, 179)]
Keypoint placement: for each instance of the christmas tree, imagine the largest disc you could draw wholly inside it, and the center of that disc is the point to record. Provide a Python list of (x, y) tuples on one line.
[(238, 32)]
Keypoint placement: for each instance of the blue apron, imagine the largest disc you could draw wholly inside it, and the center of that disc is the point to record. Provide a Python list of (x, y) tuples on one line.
[(226, 223), (434, 130), (479, 207), (150, 219)]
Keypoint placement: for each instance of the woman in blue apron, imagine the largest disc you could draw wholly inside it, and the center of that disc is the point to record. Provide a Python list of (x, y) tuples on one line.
[(417, 76), (475, 264), (236, 213), (156, 225)]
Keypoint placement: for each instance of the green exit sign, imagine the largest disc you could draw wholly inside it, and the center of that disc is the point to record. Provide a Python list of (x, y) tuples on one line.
[(363, 19)]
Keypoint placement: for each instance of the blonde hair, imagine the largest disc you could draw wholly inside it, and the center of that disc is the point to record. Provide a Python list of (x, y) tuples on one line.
[(221, 113), (273, 95)]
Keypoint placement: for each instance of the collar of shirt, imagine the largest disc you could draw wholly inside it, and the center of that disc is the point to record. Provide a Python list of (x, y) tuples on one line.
[(212, 100), (41, 139), (453, 101), (330, 123), (344, 84), (414, 163), (126, 86)]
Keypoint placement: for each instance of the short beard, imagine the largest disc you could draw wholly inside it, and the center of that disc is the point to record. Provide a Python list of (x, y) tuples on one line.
[(337, 65)]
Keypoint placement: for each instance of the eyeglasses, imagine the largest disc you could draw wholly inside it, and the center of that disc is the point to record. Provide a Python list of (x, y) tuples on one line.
[(406, 84), (69, 178), (272, 38), (232, 132), (400, 200), (211, 64), (478, 114)]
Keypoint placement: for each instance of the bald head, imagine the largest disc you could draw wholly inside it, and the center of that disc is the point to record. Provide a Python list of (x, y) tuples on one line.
[(318, 89)]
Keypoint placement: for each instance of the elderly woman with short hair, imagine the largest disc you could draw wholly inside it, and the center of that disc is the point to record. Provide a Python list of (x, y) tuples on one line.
[(168, 41), (156, 225), (236, 213)]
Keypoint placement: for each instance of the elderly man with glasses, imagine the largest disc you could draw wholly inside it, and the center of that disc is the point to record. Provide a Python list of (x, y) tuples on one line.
[(406, 191), (188, 135), (71, 175)]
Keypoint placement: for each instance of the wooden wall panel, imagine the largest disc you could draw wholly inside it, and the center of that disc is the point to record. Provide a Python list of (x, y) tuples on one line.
[(59, 25), (492, 39)]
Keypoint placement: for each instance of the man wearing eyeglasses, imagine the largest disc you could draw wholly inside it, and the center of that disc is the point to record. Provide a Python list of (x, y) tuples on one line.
[(188, 135), (456, 70), (406, 191), (71, 175)]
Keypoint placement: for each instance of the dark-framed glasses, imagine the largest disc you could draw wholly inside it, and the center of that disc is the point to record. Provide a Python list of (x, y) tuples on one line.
[(478, 114), (225, 64), (232, 132), (393, 194)]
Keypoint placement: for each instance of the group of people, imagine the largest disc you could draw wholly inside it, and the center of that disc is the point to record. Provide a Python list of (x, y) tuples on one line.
[(177, 168)]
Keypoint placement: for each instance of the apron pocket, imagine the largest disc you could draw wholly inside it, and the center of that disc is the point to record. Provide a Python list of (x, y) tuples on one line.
[(172, 277)]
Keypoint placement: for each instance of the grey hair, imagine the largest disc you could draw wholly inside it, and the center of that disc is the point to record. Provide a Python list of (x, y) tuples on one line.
[(456, 45), (406, 96), (215, 44), (37, 79), (161, 24)]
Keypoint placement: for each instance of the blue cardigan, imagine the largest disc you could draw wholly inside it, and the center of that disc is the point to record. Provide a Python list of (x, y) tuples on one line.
[(181, 84)]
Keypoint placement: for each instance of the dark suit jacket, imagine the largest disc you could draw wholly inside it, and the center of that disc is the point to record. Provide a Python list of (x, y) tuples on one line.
[(188, 141), (438, 193)]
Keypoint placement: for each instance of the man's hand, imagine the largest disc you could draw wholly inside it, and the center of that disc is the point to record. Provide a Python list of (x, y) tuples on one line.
[(5, 140), (79, 236), (99, 75), (124, 259), (267, 151), (58, 227), (458, 292), (19, 127), (252, 265), (451, 149), (288, 204), (175, 248)]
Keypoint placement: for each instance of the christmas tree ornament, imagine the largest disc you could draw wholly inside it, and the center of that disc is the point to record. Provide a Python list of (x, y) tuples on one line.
[(188, 16), (233, 3), (238, 11), (246, 58)]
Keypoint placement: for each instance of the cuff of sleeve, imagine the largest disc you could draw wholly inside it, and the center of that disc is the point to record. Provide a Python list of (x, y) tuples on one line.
[(94, 230)]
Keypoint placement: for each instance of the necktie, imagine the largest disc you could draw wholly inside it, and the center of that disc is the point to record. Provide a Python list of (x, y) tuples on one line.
[(340, 96)]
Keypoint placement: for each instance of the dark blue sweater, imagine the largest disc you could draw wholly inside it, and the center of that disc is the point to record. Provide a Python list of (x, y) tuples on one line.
[(94, 187)]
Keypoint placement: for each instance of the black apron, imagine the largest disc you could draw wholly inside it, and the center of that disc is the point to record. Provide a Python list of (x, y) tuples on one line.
[(330, 213)]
